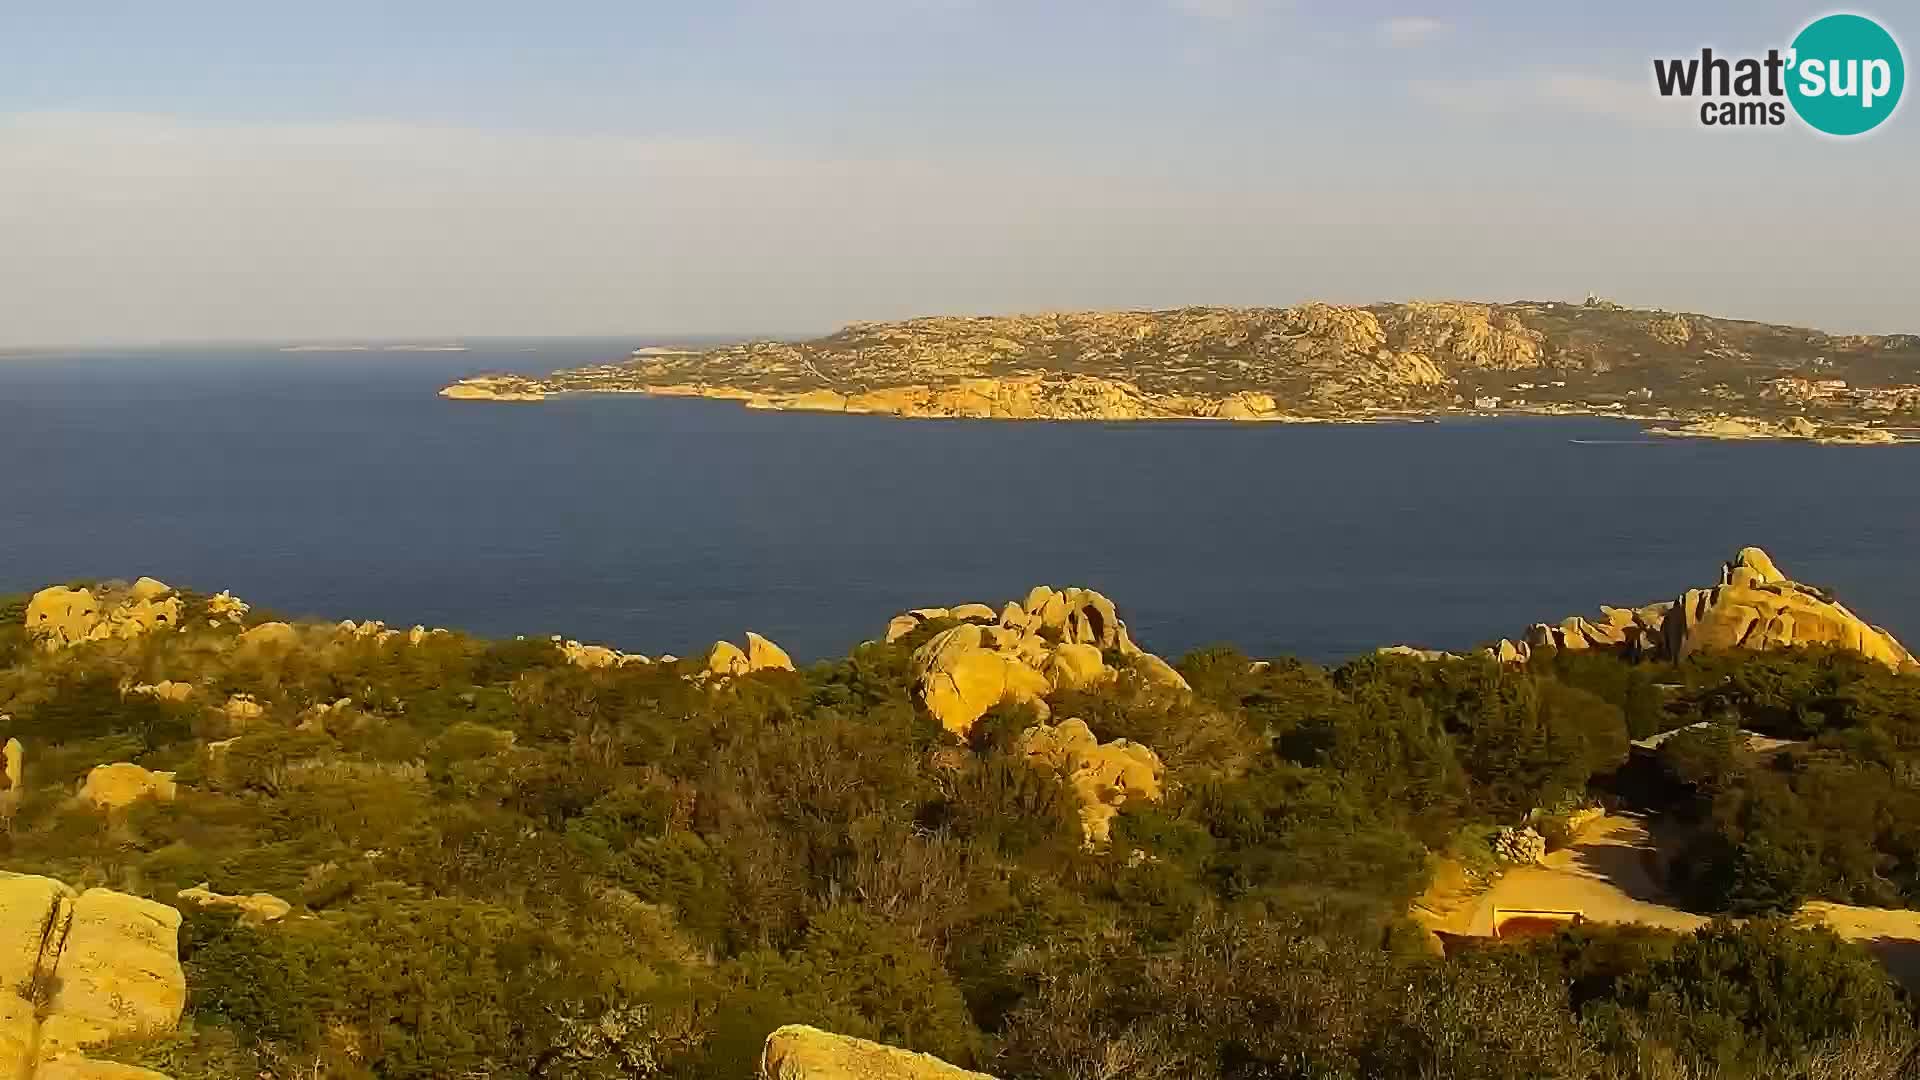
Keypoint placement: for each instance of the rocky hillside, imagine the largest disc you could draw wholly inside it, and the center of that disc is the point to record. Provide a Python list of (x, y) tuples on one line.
[(1311, 361), (996, 840)]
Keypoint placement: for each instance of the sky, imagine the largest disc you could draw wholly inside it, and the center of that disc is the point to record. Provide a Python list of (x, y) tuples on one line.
[(426, 169)]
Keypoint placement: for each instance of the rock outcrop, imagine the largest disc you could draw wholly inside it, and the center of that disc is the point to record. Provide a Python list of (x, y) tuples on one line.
[(164, 690), (596, 656), (1750, 429), (1469, 335), (1056, 639), (225, 607), (1755, 606), (726, 660), (59, 617), (268, 637), (799, 1052), (254, 908), (764, 655), (120, 785), (961, 673), (1428, 655), (1104, 776), (242, 711), (15, 757), (77, 969)]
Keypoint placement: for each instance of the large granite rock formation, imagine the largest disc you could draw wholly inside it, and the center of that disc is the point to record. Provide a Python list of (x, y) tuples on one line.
[(799, 1052), (1057, 639), (726, 659), (77, 969), (268, 637), (1104, 776), (121, 784), (961, 673), (1755, 606), (59, 617)]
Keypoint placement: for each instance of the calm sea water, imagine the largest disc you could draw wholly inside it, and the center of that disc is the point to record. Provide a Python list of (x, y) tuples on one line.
[(339, 485)]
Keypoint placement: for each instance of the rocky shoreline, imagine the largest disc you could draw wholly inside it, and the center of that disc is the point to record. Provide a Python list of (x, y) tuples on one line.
[(1115, 402), (1793, 429)]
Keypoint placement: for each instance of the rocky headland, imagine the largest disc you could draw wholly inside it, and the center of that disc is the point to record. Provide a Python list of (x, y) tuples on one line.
[(1755, 606), (1315, 362)]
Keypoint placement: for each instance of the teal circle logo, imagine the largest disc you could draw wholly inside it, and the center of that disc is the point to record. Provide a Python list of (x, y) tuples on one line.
[(1845, 74)]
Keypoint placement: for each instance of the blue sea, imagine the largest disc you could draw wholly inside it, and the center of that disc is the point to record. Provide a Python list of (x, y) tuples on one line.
[(337, 485)]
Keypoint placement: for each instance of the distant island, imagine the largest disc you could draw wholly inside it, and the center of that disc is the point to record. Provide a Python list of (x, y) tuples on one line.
[(1315, 362)]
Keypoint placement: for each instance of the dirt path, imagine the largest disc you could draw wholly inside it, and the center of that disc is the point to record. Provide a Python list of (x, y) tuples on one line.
[(1609, 875)]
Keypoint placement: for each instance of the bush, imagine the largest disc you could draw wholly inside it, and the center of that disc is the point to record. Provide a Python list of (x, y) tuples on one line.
[(1737, 996)]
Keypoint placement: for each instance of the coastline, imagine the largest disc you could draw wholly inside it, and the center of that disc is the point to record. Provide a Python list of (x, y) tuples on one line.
[(961, 401)]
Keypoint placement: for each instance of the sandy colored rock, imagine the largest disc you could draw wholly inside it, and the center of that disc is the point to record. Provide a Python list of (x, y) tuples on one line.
[(269, 636), (1755, 606), (589, 656), (1425, 655), (1511, 652), (118, 973), (725, 660), (59, 617), (958, 677), (165, 690), (15, 757), (1760, 563), (254, 908), (242, 711), (1037, 599), (594, 656), (764, 655), (121, 784), (1158, 672), (1248, 405), (1104, 776), (1472, 335), (106, 963), (900, 626), (76, 1067), (31, 907), (799, 1052), (19, 1036), (1054, 639), (223, 606), (1076, 667)]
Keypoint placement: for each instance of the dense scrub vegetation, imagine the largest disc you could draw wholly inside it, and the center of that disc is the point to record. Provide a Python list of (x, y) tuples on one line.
[(504, 865)]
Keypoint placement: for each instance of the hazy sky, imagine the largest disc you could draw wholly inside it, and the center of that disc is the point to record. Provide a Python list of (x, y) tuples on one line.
[(204, 169)]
